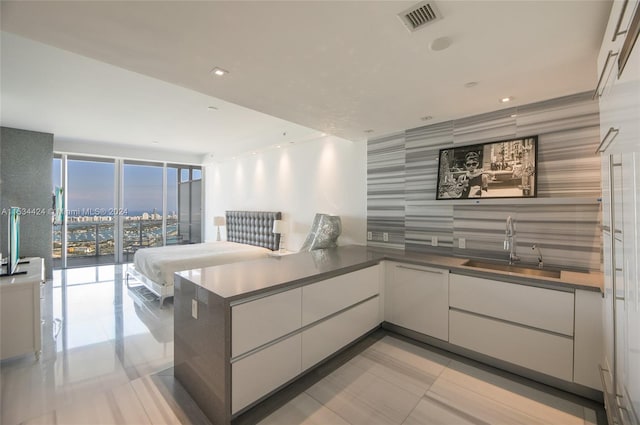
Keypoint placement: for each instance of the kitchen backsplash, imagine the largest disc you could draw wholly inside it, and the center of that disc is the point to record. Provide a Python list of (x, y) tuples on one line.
[(564, 219)]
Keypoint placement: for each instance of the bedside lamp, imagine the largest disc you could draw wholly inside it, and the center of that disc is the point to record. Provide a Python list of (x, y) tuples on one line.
[(278, 228), (219, 221)]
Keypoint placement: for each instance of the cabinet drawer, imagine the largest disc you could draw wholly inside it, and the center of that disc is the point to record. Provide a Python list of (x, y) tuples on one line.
[(537, 350), (260, 321), (541, 308), (325, 338), (329, 296), (417, 298), (264, 371)]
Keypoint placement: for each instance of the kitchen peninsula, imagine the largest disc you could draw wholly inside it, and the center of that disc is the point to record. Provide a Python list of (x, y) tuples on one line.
[(245, 330)]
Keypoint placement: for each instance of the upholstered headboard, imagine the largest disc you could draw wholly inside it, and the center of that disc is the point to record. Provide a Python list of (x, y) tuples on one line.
[(253, 228)]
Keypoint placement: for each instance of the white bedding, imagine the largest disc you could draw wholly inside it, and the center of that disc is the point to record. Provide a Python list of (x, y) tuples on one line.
[(160, 263)]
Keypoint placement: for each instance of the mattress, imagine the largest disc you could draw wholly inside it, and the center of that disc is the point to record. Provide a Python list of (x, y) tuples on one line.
[(160, 263)]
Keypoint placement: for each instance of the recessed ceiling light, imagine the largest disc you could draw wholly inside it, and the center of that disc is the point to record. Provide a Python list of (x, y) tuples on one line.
[(212, 108), (323, 134), (368, 131), (514, 115), (426, 118), (471, 84), (506, 99), (219, 71), (440, 44)]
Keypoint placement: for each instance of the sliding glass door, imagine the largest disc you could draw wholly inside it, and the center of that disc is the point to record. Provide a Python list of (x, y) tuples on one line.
[(115, 207), (89, 211), (143, 206), (189, 201)]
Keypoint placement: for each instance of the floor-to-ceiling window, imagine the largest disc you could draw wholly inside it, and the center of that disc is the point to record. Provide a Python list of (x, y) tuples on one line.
[(90, 200), (143, 206), (189, 199), (115, 207)]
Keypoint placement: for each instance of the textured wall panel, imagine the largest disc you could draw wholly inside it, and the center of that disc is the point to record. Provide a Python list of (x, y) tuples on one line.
[(556, 115), (385, 190), (489, 127), (425, 220), (567, 232), (567, 165), (26, 158), (568, 235)]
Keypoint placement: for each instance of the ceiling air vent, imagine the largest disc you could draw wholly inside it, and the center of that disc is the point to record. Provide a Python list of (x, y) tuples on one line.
[(420, 15)]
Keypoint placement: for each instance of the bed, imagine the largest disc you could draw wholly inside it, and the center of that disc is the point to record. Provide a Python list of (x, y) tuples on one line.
[(249, 236)]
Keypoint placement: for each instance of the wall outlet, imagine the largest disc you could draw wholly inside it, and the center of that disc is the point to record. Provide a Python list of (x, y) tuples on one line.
[(462, 243), (434, 241), (194, 308), (369, 236), (385, 236)]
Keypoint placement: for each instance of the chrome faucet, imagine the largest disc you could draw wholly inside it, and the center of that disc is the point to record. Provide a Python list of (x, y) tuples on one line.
[(510, 240), (540, 263)]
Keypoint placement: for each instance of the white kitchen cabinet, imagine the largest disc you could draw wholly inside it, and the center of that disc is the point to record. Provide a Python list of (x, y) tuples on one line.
[(523, 325), (587, 338), (262, 372), (417, 298), (260, 321), (332, 295), (526, 305), (328, 336), (20, 310), (619, 101), (272, 344), (548, 353)]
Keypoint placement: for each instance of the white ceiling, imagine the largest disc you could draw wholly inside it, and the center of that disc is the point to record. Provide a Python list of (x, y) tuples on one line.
[(340, 67)]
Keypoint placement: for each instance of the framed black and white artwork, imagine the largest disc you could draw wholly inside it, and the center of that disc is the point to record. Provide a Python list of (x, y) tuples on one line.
[(500, 169)]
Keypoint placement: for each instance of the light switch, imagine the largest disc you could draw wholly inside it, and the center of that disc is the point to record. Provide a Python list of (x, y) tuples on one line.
[(434, 241), (385, 236), (369, 236), (462, 243), (194, 308)]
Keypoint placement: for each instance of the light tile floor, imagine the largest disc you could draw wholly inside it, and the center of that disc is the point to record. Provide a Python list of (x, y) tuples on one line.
[(108, 355)]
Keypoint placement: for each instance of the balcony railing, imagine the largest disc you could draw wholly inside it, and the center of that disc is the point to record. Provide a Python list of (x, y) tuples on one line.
[(93, 242)]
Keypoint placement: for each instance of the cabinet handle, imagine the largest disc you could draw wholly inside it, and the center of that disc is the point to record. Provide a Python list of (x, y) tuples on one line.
[(610, 55), (419, 270), (608, 139), (617, 31)]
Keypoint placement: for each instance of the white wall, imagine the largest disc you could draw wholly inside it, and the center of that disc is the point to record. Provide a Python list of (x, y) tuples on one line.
[(328, 175)]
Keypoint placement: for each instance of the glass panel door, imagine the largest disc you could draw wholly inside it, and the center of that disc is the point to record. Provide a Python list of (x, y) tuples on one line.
[(143, 207), (90, 219), (189, 201), (174, 237)]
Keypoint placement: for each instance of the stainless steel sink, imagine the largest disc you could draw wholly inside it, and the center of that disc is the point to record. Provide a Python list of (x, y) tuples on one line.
[(529, 271)]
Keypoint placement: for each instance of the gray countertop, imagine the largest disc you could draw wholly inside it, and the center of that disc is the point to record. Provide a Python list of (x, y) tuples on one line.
[(248, 278)]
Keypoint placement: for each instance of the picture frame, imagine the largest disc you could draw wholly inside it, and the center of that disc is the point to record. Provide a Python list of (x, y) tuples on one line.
[(497, 169)]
